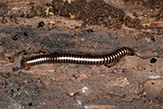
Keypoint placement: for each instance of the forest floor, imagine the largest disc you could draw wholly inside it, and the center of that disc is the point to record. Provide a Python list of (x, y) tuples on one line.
[(33, 27)]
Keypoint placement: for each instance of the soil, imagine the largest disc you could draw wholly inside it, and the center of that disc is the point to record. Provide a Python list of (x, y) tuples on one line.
[(33, 27)]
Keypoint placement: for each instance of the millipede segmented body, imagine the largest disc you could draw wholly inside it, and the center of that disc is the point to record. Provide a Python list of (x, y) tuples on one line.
[(77, 59)]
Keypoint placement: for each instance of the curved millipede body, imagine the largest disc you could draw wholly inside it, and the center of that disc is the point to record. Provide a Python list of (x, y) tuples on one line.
[(78, 59)]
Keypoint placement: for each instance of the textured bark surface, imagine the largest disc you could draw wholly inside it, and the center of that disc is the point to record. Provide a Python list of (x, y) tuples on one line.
[(33, 27)]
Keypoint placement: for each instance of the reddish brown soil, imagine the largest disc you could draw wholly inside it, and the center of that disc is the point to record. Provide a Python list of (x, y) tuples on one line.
[(36, 27)]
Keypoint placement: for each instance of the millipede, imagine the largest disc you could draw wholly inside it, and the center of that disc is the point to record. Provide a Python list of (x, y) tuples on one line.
[(77, 59)]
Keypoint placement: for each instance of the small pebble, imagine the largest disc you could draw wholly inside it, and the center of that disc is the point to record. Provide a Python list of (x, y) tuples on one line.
[(41, 24), (153, 39), (15, 69), (153, 60), (89, 31), (6, 75), (15, 37), (25, 33)]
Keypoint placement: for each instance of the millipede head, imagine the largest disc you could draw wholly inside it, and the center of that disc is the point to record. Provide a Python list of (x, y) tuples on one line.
[(129, 51)]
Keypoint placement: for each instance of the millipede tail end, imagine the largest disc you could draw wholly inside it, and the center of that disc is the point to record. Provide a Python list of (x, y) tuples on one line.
[(24, 64)]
